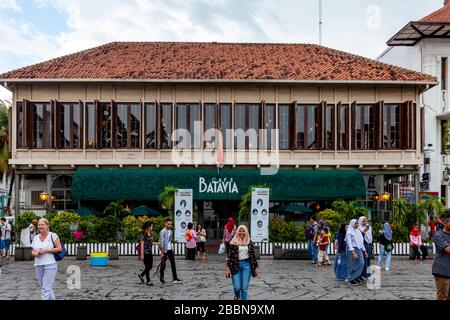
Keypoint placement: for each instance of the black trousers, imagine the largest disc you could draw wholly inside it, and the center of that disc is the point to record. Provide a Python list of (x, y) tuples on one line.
[(169, 255), (148, 262), (191, 253), (415, 254)]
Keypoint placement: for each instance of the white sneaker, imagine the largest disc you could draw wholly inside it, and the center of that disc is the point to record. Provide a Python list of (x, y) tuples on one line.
[(378, 268), (387, 269)]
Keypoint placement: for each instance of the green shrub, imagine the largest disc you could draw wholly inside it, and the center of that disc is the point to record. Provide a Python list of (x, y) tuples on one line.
[(132, 228), (61, 223), (281, 231), (23, 221), (400, 233), (332, 218)]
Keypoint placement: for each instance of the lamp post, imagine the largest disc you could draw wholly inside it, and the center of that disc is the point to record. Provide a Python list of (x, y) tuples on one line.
[(44, 197)]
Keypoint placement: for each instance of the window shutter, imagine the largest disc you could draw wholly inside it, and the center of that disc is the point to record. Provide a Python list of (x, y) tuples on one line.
[(28, 123), (158, 124), (262, 137), (378, 120), (404, 127), (292, 137), (81, 127), (113, 125), (56, 107), (352, 132), (98, 122), (320, 119)]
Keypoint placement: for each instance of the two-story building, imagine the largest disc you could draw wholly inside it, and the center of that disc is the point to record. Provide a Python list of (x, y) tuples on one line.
[(424, 46), (100, 125)]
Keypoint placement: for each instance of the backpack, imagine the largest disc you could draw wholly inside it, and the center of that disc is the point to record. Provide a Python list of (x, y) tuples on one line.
[(188, 235), (309, 232)]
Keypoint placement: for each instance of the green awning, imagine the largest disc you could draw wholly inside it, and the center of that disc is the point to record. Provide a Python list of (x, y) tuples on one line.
[(208, 184), (145, 211), (294, 208)]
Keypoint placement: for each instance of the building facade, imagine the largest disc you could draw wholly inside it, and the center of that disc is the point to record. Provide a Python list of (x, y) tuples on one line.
[(100, 125), (424, 46)]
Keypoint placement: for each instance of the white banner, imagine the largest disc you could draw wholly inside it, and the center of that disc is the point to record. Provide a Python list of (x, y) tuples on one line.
[(260, 215), (183, 212)]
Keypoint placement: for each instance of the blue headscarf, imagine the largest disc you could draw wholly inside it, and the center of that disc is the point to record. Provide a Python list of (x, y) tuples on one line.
[(387, 231)]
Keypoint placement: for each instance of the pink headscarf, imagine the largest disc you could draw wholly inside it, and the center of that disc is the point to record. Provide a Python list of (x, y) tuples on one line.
[(237, 241)]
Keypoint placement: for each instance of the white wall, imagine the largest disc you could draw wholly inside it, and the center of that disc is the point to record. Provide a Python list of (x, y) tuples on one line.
[(426, 57)]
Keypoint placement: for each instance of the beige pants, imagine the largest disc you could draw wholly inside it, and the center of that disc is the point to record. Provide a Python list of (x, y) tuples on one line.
[(442, 288), (322, 257)]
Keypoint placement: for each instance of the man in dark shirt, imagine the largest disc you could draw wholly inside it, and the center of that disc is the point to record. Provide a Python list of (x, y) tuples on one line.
[(441, 265)]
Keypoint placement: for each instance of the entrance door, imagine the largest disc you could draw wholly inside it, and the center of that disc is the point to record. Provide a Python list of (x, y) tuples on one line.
[(215, 215)]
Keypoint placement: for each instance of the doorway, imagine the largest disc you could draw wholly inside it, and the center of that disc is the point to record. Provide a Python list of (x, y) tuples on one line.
[(214, 215)]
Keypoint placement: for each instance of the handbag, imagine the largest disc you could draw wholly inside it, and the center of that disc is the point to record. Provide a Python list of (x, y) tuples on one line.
[(60, 255), (389, 247)]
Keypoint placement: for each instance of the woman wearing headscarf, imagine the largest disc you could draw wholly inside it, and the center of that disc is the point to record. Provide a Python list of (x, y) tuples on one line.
[(415, 242), (241, 263), (340, 262), (366, 230), (229, 231), (356, 253), (385, 246)]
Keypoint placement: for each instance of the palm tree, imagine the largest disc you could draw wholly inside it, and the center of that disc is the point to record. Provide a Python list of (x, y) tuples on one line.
[(167, 198)]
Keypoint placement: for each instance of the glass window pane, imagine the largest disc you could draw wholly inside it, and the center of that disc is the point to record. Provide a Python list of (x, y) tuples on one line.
[(225, 124), (150, 123), (269, 127), (91, 142), (329, 127), (135, 123), (20, 126), (300, 127), (284, 126), (312, 126), (210, 122), (122, 126), (106, 125), (166, 126), (343, 127)]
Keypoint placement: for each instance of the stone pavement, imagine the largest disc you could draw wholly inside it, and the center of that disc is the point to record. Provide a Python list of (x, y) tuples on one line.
[(279, 280)]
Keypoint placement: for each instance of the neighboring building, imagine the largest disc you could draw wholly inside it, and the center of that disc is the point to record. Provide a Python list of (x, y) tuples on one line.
[(95, 126), (424, 46)]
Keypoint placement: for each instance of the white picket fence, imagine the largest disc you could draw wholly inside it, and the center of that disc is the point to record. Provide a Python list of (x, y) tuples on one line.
[(266, 248)]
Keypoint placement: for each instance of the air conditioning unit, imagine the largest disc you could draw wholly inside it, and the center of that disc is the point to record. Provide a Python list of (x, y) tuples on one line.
[(396, 191)]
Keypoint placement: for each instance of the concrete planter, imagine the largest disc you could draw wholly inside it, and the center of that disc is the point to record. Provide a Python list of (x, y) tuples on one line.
[(81, 253), (113, 253), (18, 254), (277, 252), (27, 254), (258, 252)]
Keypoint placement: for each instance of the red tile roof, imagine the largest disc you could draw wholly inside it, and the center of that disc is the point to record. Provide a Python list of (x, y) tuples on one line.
[(442, 15), (214, 61)]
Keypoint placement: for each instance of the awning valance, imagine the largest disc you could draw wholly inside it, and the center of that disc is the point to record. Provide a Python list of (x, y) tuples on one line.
[(208, 184)]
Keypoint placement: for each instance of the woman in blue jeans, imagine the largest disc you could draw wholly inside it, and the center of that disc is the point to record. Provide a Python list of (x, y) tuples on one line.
[(241, 263), (385, 246), (356, 252), (43, 247)]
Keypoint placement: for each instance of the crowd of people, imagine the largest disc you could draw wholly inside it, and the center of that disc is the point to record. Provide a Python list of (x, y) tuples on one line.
[(353, 248)]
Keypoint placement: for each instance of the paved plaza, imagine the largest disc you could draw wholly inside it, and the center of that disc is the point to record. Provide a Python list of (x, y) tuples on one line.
[(279, 280)]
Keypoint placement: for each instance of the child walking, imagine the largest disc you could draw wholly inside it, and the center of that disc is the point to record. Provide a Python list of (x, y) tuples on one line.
[(322, 242)]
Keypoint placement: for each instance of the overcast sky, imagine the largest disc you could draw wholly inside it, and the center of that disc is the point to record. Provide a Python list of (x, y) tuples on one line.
[(37, 30)]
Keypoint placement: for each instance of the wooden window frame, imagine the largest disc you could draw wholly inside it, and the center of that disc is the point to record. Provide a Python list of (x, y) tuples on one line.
[(362, 126), (247, 124), (262, 126), (57, 125), (128, 106), (317, 128), (192, 132), (31, 125), (347, 109), (214, 106)]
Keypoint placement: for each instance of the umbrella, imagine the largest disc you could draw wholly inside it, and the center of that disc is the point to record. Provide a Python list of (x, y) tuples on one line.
[(294, 208), (83, 211), (145, 211)]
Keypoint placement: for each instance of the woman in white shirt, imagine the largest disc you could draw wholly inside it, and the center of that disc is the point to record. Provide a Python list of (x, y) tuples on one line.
[(43, 247), (356, 252)]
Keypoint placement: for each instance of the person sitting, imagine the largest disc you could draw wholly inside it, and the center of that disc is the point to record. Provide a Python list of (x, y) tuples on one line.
[(415, 242)]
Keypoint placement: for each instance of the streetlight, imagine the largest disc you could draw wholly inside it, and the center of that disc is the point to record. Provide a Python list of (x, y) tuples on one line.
[(44, 197), (385, 196)]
